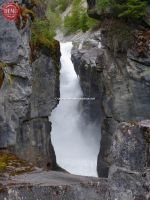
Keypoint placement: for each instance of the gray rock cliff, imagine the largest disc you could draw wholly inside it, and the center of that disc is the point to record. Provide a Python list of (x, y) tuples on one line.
[(120, 69), (27, 96)]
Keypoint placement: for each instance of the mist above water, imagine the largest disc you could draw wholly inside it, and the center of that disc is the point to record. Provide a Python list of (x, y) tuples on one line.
[(76, 143)]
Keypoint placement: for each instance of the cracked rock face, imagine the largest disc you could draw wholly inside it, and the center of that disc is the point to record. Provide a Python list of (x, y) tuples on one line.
[(122, 185), (27, 96), (127, 149), (120, 80), (121, 76), (124, 150), (86, 57), (45, 86), (126, 98), (14, 94)]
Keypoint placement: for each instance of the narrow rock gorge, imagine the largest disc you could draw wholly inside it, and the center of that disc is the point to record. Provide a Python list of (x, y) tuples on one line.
[(112, 66)]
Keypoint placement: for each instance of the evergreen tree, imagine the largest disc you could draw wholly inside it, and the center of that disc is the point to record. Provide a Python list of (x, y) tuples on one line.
[(124, 8), (132, 8)]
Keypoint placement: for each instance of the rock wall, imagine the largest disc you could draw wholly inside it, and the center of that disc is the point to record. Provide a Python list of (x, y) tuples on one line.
[(85, 63), (123, 185), (127, 91), (120, 70), (27, 96)]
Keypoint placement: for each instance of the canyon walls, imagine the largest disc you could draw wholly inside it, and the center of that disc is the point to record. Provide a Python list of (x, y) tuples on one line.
[(120, 71), (113, 66), (27, 95)]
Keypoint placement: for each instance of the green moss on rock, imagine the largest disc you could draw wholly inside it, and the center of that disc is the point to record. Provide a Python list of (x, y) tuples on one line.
[(11, 164)]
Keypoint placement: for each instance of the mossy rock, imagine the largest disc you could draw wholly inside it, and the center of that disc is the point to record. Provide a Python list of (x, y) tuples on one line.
[(49, 48), (11, 164)]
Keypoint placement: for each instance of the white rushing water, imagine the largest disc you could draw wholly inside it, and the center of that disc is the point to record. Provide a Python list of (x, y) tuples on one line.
[(75, 143)]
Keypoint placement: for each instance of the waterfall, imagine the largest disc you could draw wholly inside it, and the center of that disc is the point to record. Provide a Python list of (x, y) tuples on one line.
[(75, 142)]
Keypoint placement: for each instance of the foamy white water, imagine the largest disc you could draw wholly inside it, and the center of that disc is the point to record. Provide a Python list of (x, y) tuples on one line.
[(75, 143)]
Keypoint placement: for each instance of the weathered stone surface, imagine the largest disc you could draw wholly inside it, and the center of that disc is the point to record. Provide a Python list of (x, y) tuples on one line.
[(52, 185), (121, 75), (15, 91), (128, 185), (85, 63), (123, 185), (127, 148), (126, 98), (34, 143), (27, 95), (45, 86), (108, 128)]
